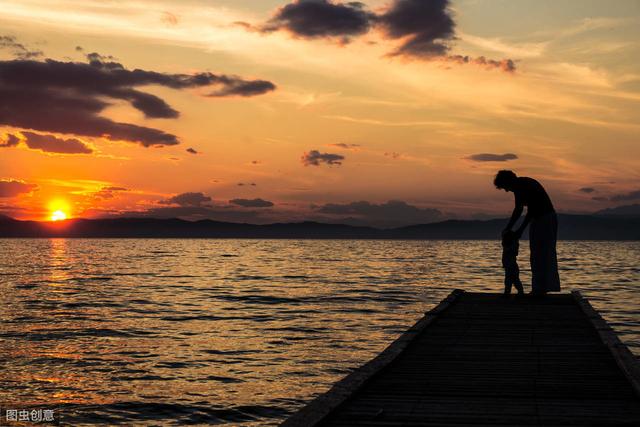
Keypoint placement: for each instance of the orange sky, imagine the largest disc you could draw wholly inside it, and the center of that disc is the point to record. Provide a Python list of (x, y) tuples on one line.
[(398, 127)]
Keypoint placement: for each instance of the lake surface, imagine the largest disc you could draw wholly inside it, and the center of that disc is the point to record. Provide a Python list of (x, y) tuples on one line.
[(161, 332)]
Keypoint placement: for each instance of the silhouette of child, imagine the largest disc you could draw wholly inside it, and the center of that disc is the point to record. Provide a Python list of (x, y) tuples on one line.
[(510, 263)]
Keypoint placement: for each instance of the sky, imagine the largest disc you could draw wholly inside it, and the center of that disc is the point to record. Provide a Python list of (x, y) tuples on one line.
[(385, 112)]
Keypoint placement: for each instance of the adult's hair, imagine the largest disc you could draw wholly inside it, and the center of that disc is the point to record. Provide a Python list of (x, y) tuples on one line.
[(504, 178)]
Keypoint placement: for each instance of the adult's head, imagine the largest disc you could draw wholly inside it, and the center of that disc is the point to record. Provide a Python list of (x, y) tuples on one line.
[(505, 180)]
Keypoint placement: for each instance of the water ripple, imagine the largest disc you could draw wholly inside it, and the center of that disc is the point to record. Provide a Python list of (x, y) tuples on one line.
[(240, 332)]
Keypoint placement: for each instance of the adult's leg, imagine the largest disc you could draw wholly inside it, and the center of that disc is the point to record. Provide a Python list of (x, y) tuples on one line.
[(552, 278), (536, 257)]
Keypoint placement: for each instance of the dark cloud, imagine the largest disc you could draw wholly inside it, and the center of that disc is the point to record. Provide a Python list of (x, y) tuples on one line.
[(68, 97), (192, 151), (10, 141), (100, 60), (197, 206), (18, 49), (315, 158), (234, 86), (109, 192), (489, 157), (425, 27), (393, 155), (242, 184), (321, 18), (252, 203), (188, 200), (391, 213), (13, 188), (344, 146), (633, 195), (506, 65), (52, 144), (587, 190)]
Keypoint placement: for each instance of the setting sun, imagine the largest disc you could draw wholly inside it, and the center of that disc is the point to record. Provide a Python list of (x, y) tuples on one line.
[(59, 210), (58, 216)]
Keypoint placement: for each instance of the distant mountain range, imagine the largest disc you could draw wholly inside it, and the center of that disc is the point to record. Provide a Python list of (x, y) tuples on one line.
[(626, 210), (572, 227)]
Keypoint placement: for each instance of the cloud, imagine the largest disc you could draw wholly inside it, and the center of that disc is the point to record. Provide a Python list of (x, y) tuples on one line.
[(188, 200), (198, 206), (633, 195), (242, 184), (13, 188), (52, 144), (69, 97), (109, 192), (391, 213), (315, 158), (506, 65), (489, 157), (425, 27), (235, 86), (321, 18), (169, 18), (393, 155), (252, 203), (19, 50), (10, 141), (344, 146), (587, 190), (192, 151)]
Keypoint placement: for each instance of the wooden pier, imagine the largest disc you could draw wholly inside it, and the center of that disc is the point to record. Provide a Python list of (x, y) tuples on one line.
[(480, 359)]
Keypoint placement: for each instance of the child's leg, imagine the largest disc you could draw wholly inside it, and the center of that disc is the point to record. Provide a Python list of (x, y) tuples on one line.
[(507, 285), (516, 280)]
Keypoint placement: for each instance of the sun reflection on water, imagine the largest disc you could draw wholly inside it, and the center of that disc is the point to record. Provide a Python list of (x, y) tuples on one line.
[(240, 331)]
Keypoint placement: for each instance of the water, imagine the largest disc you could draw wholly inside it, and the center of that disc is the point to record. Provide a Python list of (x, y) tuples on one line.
[(161, 332)]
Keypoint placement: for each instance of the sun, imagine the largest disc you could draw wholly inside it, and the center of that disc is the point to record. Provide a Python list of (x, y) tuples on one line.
[(59, 210), (58, 216)]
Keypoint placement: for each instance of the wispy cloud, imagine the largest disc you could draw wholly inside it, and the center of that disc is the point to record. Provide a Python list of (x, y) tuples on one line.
[(496, 44), (490, 157), (377, 122)]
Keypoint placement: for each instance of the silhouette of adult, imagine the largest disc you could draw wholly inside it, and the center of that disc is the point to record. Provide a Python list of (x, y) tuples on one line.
[(543, 231)]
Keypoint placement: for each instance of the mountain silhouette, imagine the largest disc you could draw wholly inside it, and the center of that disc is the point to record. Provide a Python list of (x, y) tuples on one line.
[(572, 227), (625, 210)]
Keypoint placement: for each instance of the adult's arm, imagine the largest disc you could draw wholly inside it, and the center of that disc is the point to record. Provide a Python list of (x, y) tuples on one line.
[(515, 215), (524, 224)]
